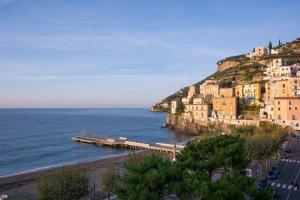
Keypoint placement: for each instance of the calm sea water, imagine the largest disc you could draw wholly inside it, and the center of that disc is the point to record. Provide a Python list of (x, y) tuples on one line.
[(32, 139)]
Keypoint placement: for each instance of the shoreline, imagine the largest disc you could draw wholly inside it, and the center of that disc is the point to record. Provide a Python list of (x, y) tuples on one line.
[(17, 183)]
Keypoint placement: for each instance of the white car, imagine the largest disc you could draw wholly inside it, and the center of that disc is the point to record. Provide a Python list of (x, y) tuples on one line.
[(3, 196), (248, 172)]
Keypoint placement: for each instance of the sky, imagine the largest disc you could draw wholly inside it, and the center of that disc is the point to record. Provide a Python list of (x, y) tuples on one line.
[(126, 53)]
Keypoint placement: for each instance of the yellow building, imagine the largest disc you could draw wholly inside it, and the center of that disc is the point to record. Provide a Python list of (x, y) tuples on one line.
[(249, 92), (225, 107)]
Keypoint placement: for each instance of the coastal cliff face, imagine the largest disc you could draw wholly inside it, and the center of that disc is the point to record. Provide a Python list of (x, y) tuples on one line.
[(181, 123), (227, 64)]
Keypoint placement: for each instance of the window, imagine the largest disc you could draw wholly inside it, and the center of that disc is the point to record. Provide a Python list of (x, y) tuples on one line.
[(279, 116), (290, 103), (279, 109), (283, 85), (293, 117), (296, 108), (290, 108), (278, 102)]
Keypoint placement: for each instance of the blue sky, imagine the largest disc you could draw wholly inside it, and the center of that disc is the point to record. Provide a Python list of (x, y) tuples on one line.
[(126, 53)]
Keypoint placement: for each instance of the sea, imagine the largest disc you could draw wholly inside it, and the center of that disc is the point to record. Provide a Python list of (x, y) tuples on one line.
[(38, 139)]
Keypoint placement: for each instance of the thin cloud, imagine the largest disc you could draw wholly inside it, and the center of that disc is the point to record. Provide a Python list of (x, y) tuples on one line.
[(6, 2)]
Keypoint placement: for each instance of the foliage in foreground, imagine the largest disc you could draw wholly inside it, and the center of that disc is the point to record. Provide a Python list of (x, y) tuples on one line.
[(262, 142), (109, 180), (212, 169), (64, 184)]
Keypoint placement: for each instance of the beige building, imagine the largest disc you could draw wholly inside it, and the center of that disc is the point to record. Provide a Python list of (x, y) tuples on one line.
[(257, 52), (186, 100), (199, 112), (173, 107), (198, 100), (193, 90), (287, 111), (279, 69), (225, 108), (209, 89)]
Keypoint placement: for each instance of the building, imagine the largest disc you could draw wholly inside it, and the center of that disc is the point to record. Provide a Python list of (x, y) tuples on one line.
[(186, 100), (274, 51), (287, 111), (260, 51), (278, 62), (225, 108), (226, 92), (199, 112), (193, 90), (173, 107), (249, 92), (282, 88), (198, 100), (257, 52), (279, 69), (208, 88)]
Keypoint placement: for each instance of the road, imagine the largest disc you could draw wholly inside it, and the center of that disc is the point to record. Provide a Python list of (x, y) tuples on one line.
[(289, 175)]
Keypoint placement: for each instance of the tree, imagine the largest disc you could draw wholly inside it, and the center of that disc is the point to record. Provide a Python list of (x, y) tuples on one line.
[(69, 183), (109, 180), (193, 174), (180, 108), (279, 43), (144, 179), (270, 46)]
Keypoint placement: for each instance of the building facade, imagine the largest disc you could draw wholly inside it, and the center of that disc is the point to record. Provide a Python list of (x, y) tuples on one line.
[(225, 108), (287, 111)]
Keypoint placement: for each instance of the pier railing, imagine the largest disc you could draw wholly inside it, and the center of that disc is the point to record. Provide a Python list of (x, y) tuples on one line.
[(123, 142)]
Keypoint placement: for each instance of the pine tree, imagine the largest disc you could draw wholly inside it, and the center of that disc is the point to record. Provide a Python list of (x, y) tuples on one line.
[(270, 46), (279, 43)]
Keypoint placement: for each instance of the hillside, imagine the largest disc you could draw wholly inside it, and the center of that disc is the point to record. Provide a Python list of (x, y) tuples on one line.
[(238, 69)]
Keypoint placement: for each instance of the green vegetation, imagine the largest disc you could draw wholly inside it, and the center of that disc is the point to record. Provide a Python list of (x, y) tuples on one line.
[(109, 180), (270, 46), (263, 142), (180, 108), (250, 109), (64, 184), (145, 178), (238, 58), (193, 174)]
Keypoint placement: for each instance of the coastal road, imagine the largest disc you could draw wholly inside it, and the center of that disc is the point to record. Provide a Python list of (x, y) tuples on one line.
[(290, 174)]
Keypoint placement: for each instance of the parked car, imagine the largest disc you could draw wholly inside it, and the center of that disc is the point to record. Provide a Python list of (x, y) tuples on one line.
[(276, 169), (284, 156), (248, 172), (263, 185), (3, 196), (287, 150), (272, 175)]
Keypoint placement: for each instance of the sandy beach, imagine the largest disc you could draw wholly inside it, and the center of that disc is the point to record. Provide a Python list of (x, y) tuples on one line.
[(24, 185)]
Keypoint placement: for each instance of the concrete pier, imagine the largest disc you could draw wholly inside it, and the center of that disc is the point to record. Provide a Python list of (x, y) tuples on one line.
[(123, 142)]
